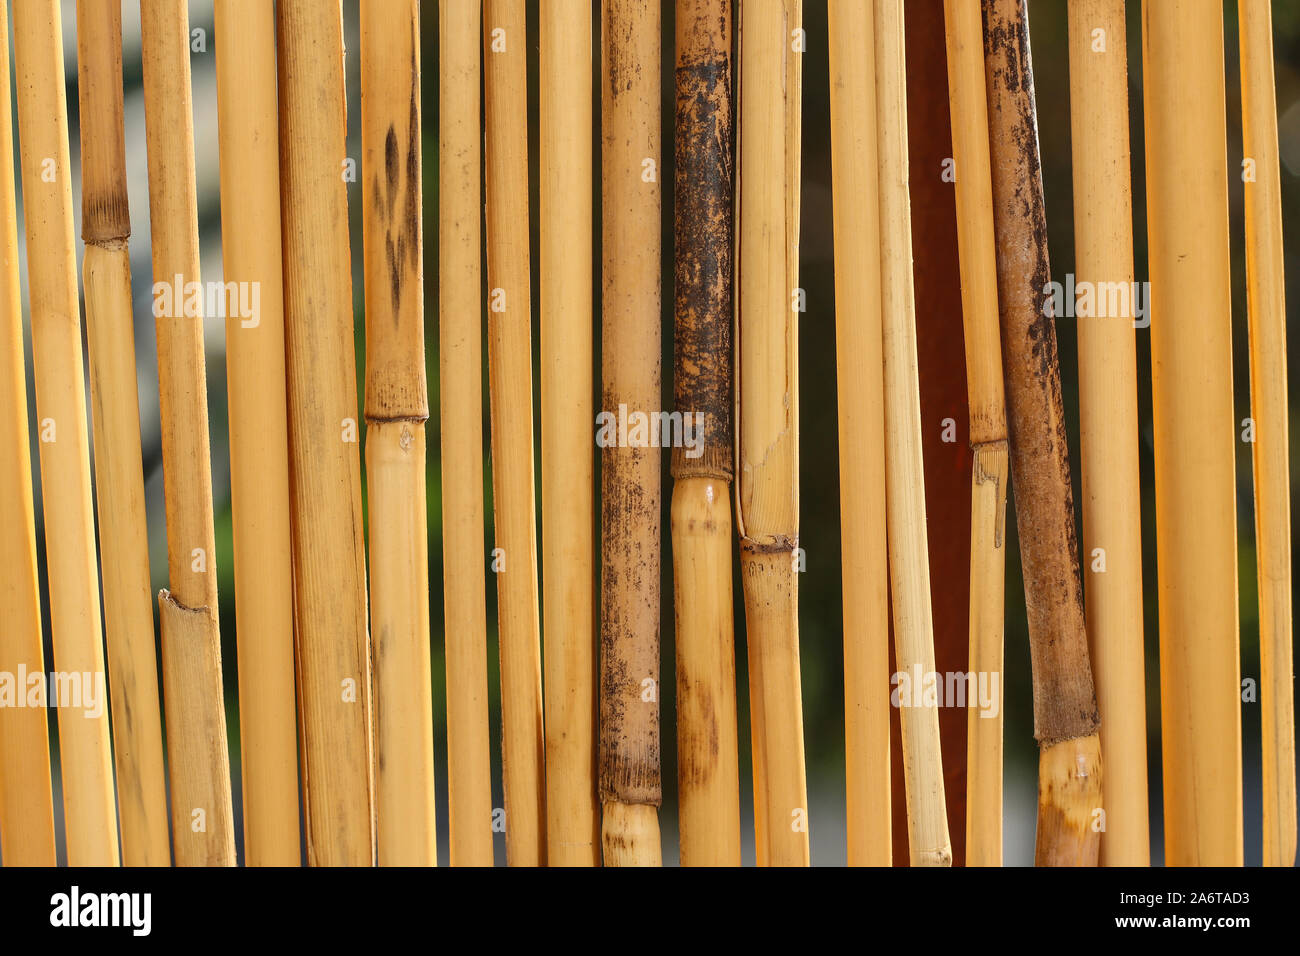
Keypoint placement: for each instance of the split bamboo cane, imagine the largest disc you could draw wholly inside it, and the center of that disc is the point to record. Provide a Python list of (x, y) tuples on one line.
[(259, 442), (708, 782), (568, 470), (767, 495), (510, 372), (988, 430), (119, 484), (325, 468), (198, 763), (89, 809), (1108, 419), (1191, 365), (630, 784), (397, 406), (26, 795), (460, 308), (1266, 297), (1065, 706), (860, 380)]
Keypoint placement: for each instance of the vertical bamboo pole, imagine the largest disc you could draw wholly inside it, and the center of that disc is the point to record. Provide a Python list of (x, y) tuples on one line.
[(630, 785), (510, 371), (1108, 419), (460, 380), (325, 468), (88, 801), (198, 766), (988, 430), (26, 796), (568, 470), (259, 442), (860, 380), (1266, 297), (767, 498), (708, 784), (909, 567), (397, 406), (1195, 430), (119, 476)]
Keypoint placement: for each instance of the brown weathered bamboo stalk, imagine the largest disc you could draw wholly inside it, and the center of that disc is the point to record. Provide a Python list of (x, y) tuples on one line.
[(708, 784), (510, 371), (568, 469), (119, 475), (26, 796), (630, 784), (1065, 705), (460, 308), (89, 809), (325, 467)]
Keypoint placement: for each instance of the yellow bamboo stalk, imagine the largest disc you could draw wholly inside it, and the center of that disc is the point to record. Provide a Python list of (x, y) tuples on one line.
[(1266, 298), (397, 406), (89, 809), (460, 307), (259, 440), (1195, 430), (988, 430), (26, 796), (325, 467), (1108, 419), (198, 765), (568, 471), (510, 371), (767, 495)]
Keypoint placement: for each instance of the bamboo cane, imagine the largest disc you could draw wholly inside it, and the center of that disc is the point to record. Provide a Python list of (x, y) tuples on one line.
[(767, 497), (510, 371), (630, 784), (1266, 297), (397, 406), (1192, 399), (909, 568), (89, 809), (988, 432), (461, 418), (198, 766), (708, 783), (325, 468), (1108, 419), (568, 474), (259, 442), (1065, 705), (119, 484), (860, 380), (26, 796)]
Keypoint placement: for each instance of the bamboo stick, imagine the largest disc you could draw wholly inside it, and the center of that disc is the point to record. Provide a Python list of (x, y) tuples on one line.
[(630, 784), (1108, 420), (259, 441), (397, 406), (26, 796), (1195, 431), (460, 397), (568, 472), (1065, 705), (325, 468), (767, 497), (510, 372), (988, 432), (860, 380), (89, 807), (708, 783), (119, 476), (1266, 298)]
